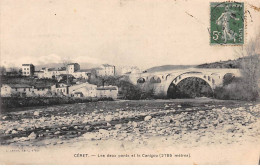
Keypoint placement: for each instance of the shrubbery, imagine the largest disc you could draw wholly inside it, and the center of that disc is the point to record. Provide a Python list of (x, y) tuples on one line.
[(236, 90), (14, 102)]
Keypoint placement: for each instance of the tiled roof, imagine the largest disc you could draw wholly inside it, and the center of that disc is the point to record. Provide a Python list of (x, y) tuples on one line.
[(107, 65), (84, 70), (78, 93), (73, 64), (19, 85), (107, 88), (27, 64)]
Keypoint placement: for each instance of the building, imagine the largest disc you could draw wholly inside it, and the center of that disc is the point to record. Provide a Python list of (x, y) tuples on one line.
[(107, 91), (83, 90), (28, 69), (83, 74), (72, 67), (60, 89), (128, 70), (23, 90), (49, 73), (106, 70), (41, 90)]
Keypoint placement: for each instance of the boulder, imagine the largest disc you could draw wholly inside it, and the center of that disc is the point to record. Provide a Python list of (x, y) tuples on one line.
[(147, 118), (108, 118), (32, 136), (168, 119), (118, 126), (57, 132), (24, 139), (21, 129), (134, 124), (14, 131), (36, 113)]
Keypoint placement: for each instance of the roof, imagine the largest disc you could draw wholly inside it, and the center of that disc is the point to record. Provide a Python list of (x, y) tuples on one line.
[(107, 88), (73, 64), (19, 85), (78, 93), (38, 71), (84, 70), (27, 65), (41, 87), (107, 65), (69, 75)]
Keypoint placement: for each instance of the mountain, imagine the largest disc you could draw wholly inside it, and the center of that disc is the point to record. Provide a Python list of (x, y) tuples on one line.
[(58, 65), (168, 68)]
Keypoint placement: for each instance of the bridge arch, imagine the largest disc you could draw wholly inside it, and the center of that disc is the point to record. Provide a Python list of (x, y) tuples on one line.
[(155, 79), (176, 79), (141, 80)]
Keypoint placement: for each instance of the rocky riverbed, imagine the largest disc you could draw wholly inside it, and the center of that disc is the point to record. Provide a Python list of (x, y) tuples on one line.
[(185, 122)]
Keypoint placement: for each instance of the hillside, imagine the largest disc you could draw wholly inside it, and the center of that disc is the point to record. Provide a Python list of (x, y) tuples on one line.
[(220, 64), (228, 64), (168, 68)]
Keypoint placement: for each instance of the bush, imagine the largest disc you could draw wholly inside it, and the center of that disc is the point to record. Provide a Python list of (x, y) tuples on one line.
[(14, 102), (236, 90)]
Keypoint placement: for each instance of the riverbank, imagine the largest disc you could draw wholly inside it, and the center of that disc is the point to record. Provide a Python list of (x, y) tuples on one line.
[(9, 103)]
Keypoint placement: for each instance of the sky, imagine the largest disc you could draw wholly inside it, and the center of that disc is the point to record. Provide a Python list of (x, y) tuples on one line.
[(143, 33)]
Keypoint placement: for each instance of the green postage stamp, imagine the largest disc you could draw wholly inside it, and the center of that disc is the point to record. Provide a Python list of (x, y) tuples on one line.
[(226, 23)]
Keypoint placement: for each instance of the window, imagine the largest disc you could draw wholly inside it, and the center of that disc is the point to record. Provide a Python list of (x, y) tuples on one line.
[(24, 89), (27, 68), (24, 68), (15, 89)]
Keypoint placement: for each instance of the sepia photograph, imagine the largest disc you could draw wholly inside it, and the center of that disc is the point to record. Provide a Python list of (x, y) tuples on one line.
[(129, 82)]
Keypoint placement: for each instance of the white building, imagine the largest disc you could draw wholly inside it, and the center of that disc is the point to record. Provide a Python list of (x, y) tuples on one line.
[(50, 73), (82, 74), (106, 70), (42, 91), (83, 90), (23, 90), (60, 89), (72, 67), (28, 69), (107, 91)]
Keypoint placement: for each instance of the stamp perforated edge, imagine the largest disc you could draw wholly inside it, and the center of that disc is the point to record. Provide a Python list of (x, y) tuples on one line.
[(245, 25)]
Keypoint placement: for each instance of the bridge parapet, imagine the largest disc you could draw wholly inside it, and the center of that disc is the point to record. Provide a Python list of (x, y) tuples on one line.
[(162, 80)]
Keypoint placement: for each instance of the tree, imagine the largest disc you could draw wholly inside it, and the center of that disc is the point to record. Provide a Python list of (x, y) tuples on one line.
[(2, 70), (250, 64)]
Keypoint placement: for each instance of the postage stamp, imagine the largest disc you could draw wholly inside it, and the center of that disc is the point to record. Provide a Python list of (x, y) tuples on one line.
[(226, 23)]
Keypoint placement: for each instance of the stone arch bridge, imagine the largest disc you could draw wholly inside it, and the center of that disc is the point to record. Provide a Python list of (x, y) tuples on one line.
[(162, 80)]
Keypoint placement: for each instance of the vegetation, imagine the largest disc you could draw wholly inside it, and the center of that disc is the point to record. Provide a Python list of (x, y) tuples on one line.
[(190, 88), (14, 102), (26, 80)]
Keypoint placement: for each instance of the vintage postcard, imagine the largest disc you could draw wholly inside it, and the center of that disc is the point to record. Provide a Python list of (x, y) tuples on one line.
[(130, 82)]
